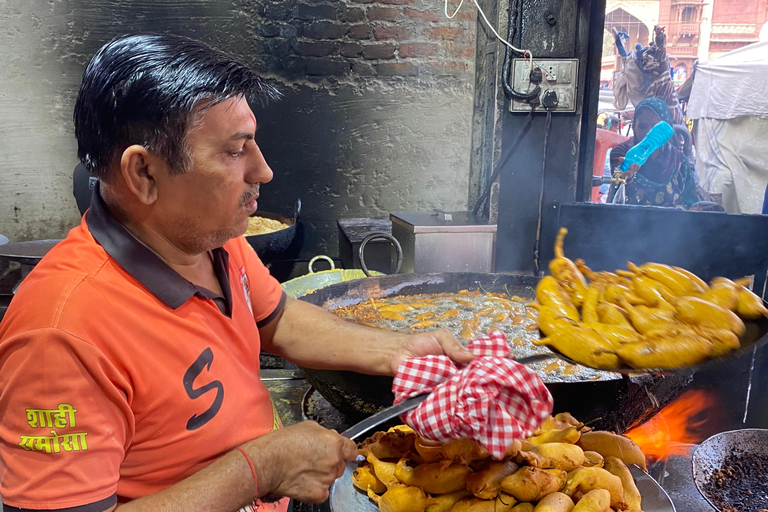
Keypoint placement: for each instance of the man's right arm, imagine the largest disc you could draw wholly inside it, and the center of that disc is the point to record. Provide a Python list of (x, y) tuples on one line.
[(48, 377), (300, 461)]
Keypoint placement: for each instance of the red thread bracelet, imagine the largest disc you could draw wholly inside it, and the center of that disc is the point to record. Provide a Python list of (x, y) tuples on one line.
[(253, 470)]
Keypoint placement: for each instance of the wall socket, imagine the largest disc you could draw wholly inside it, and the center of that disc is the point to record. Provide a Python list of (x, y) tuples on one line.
[(559, 76)]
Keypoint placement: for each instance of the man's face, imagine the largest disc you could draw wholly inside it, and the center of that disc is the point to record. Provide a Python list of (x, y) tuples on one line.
[(210, 202)]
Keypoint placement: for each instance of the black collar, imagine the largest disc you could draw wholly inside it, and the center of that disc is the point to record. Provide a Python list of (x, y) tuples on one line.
[(144, 265)]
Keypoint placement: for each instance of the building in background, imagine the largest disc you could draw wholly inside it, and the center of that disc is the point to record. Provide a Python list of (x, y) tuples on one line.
[(696, 29)]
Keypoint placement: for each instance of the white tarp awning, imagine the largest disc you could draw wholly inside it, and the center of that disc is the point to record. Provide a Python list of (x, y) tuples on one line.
[(732, 85)]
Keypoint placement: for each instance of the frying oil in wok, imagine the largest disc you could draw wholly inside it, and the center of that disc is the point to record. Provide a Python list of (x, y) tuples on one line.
[(469, 314)]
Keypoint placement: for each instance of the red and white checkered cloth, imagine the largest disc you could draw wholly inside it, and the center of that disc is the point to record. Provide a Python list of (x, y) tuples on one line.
[(492, 400)]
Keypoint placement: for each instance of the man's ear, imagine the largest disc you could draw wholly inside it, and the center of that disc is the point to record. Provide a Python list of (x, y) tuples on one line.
[(140, 169)]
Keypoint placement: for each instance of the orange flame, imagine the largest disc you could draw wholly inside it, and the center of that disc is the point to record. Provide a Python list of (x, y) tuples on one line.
[(681, 423)]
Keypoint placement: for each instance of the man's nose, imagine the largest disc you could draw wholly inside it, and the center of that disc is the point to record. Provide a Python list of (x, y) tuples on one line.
[(258, 169)]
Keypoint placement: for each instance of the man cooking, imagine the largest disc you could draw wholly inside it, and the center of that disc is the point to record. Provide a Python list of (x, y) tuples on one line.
[(129, 358)]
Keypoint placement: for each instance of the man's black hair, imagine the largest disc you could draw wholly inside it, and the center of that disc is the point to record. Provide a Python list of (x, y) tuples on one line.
[(147, 90)]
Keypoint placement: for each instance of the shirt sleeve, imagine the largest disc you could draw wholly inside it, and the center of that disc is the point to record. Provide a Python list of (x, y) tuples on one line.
[(65, 424), (267, 297)]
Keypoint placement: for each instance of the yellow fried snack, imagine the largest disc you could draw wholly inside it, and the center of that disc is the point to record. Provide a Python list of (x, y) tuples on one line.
[(679, 283), (585, 346), (693, 277), (514, 448), (503, 503), (653, 292), (401, 498), (532, 484), (693, 310), (568, 434), (433, 478), (554, 456), (555, 502), (666, 348), (395, 308), (551, 320), (598, 500), (550, 293), (723, 295), (591, 299), (559, 421), (613, 293), (588, 479), (658, 314), (632, 496), (723, 340), (485, 483), (463, 451), (364, 478), (601, 277), (748, 305), (262, 225), (566, 272), (612, 314), (389, 445), (489, 485), (615, 334), (523, 507), (645, 320), (610, 444), (384, 471), (593, 460), (444, 502)]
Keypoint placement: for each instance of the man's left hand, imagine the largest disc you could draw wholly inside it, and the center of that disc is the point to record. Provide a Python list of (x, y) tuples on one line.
[(440, 342)]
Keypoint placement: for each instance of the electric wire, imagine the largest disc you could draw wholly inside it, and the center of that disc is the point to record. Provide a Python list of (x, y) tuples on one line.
[(488, 23), (502, 163), (509, 92), (537, 245)]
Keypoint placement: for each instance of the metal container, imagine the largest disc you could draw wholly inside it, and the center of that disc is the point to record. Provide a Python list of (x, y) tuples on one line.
[(444, 242), (344, 497), (712, 455), (379, 254), (270, 246)]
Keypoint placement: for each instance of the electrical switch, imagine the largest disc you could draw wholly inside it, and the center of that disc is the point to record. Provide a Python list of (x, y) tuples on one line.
[(556, 77)]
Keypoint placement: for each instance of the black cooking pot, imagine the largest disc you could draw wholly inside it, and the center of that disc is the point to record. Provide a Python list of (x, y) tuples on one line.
[(270, 246), (741, 456), (618, 403)]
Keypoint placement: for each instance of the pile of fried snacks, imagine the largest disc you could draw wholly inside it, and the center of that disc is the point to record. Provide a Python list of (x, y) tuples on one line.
[(563, 467), (261, 225), (651, 316)]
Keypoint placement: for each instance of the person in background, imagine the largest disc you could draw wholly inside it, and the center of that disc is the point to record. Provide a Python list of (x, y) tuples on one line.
[(765, 202), (612, 124), (665, 179), (644, 73), (129, 357)]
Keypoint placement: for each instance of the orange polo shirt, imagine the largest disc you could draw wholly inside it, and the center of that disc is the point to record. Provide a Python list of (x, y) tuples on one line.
[(119, 378)]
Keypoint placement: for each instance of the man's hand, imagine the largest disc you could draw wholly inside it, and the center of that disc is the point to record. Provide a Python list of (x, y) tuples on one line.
[(431, 343), (300, 461)]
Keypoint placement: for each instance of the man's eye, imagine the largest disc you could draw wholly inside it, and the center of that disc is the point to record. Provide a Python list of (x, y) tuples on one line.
[(235, 154)]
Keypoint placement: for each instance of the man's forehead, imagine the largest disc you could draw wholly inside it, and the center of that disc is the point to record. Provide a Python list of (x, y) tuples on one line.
[(234, 114)]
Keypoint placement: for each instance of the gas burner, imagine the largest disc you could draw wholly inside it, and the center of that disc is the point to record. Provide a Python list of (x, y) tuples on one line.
[(316, 408)]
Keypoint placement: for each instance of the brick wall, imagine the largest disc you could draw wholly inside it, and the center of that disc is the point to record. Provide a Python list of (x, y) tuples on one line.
[(365, 38)]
